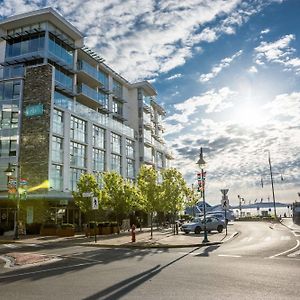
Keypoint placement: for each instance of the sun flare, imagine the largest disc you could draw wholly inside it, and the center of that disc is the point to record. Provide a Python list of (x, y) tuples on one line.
[(249, 115)]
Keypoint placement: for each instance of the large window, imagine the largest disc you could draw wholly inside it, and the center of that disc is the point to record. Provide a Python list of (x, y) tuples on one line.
[(129, 148), (77, 155), (24, 45), (117, 107), (117, 89), (116, 163), (103, 78), (56, 178), (98, 160), (103, 99), (130, 168), (148, 154), (78, 129), (115, 143), (60, 50), (8, 118), (57, 149), (10, 90), (159, 159), (74, 177), (8, 147), (58, 122), (98, 137)]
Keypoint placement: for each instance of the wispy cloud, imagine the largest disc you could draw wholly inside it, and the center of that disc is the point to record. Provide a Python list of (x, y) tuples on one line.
[(265, 31), (252, 69), (224, 63), (280, 52), (175, 76)]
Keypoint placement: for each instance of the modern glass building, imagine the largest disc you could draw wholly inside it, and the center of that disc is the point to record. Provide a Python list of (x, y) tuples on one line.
[(64, 112)]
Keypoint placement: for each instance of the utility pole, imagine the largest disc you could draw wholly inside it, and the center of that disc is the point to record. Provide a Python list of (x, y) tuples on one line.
[(272, 183)]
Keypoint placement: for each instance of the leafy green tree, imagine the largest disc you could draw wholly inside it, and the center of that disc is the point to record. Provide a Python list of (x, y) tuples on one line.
[(192, 199), (173, 191), (149, 188), (86, 184), (120, 196)]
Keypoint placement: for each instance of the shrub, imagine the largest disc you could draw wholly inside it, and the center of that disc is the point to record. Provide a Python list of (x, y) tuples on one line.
[(67, 225), (33, 228)]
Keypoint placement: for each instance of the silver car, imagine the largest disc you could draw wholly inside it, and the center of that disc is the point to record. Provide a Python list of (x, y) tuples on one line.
[(197, 225)]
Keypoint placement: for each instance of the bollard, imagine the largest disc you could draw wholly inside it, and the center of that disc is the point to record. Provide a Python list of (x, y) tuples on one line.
[(133, 233)]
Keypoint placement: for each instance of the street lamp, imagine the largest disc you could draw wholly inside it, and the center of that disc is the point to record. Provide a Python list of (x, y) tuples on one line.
[(201, 163), (9, 172)]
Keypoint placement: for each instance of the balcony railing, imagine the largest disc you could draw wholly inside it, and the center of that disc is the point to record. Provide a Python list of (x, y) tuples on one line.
[(87, 68)]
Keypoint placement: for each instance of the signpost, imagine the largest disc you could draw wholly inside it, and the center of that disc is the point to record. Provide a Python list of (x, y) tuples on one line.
[(225, 204), (95, 206)]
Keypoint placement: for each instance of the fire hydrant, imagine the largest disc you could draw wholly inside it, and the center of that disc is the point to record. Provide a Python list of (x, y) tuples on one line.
[(133, 233)]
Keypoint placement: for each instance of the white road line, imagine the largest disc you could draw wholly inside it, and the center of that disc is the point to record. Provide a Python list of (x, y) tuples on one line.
[(228, 255), (294, 254), (284, 252), (267, 239), (247, 239), (11, 245)]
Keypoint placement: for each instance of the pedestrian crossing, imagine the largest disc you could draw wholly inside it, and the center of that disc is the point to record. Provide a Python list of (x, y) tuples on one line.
[(249, 239), (17, 245)]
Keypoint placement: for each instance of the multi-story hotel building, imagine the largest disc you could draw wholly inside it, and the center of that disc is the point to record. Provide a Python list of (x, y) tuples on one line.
[(64, 112)]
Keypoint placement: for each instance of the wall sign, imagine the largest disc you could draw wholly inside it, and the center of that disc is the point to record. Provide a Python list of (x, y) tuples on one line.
[(34, 110)]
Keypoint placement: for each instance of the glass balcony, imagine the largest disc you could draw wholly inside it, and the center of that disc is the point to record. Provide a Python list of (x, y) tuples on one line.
[(63, 80), (87, 68), (87, 91), (11, 72)]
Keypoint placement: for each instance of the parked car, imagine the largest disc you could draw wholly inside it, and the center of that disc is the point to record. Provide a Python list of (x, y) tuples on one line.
[(197, 225)]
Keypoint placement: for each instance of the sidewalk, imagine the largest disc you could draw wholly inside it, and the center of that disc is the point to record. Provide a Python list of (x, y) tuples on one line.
[(288, 222), (163, 238)]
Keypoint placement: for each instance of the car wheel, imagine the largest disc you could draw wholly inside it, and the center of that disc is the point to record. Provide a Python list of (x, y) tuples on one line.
[(197, 230), (186, 232), (220, 228)]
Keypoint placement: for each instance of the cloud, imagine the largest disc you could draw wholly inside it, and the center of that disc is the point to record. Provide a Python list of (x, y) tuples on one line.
[(142, 41), (175, 76), (265, 31), (213, 101), (252, 69), (224, 63), (280, 52)]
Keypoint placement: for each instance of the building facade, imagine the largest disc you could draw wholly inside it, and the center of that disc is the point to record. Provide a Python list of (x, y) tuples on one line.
[(64, 112)]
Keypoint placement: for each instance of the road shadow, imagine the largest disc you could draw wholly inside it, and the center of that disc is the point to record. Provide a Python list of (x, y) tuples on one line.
[(208, 250), (120, 289)]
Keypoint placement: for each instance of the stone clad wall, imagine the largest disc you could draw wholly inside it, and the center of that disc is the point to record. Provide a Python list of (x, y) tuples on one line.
[(35, 130)]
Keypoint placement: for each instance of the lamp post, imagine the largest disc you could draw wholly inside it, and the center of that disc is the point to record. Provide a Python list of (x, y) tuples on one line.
[(9, 172), (201, 163)]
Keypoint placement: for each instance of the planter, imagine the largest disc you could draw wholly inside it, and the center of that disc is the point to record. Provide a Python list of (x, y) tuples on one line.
[(48, 231), (62, 232)]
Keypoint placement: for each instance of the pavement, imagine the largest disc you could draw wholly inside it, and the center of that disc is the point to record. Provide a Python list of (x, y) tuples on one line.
[(162, 238)]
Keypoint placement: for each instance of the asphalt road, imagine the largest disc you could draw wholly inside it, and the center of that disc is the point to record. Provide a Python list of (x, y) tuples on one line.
[(262, 262)]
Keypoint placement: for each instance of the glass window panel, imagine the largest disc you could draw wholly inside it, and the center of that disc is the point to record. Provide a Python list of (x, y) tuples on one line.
[(116, 143), (116, 163), (98, 137)]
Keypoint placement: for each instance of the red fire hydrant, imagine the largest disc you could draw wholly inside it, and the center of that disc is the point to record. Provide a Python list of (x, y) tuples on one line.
[(133, 233)]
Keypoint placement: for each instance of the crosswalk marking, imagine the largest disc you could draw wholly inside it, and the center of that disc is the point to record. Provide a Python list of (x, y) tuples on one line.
[(285, 238), (13, 246)]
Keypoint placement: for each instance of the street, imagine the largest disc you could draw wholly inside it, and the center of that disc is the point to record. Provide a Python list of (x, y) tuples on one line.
[(261, 262)]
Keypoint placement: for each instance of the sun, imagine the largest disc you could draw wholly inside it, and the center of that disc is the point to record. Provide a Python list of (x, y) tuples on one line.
[(249, 115)]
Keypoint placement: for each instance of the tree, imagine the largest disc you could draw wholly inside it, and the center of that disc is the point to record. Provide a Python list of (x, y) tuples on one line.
[(173, 191), (120, 196), (86, 184), (149, 188)]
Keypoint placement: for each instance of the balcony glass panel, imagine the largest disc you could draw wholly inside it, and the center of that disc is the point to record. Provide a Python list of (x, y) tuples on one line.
[(60, 50), (63, 79), (63, 101), (87, 91), (103, 78), (87, 68)]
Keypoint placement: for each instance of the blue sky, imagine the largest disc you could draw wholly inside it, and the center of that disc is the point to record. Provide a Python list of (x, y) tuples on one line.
[(227, 73)]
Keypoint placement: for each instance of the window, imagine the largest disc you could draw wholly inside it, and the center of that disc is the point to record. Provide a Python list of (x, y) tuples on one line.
[(148, 154), (8, 147), (74, 178), (103, 78), (115, 143), (63, 79), (77, 155), (129, 148), (56, 177), (8, 118), (98, 137), (130, 168), (117, 89), (10, 90), (117, 107), (159, 159), (57, 149), (78, 128), (116, 163), (58, 122), (103, 99), (98, 160)]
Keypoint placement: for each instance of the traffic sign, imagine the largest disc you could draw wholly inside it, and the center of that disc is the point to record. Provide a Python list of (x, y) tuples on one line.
[(225, 203), (95, 203), (224, 192)]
